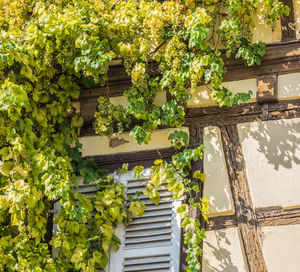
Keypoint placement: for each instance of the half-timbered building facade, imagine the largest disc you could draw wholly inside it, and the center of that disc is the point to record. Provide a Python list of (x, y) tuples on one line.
[(251, 161)]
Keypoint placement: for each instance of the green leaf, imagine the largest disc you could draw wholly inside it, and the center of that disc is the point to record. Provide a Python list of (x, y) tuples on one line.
[(199, 175), (138, 170)]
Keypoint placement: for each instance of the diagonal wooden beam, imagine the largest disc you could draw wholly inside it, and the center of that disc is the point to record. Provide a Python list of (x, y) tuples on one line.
[(245, 214)]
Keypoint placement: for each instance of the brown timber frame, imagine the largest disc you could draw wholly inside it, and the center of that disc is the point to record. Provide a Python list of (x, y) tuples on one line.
[(281, 58), (247, 219)]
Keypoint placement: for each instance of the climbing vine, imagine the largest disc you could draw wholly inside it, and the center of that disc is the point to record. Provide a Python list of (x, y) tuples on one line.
[(49, 50)]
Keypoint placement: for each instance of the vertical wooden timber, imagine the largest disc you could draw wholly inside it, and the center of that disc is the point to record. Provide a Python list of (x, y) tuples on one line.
[(288, 26), (196, 139), (245, 215), (49, 227)]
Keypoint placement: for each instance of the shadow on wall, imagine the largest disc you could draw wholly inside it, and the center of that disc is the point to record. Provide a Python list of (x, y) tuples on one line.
[(222, 257), (216, 185), (279, 141)]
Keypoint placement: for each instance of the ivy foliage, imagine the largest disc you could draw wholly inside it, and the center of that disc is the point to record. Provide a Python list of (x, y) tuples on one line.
[(49, 49)]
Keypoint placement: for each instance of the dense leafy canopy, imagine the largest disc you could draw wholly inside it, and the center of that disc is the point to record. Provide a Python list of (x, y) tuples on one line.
[(48, 49)]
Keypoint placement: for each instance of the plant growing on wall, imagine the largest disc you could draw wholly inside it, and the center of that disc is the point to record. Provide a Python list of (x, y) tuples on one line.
[(48, 50)]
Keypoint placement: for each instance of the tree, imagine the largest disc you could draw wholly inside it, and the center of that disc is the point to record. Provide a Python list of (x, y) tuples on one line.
[(48, 50)]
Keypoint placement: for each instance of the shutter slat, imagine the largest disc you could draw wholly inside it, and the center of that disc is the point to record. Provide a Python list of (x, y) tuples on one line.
[(154, 244), (162, 194), (150, 226), (157, 212), (146, 266), (157, 238), (152, 219), (151, 259), (151, 232), (162, 205)]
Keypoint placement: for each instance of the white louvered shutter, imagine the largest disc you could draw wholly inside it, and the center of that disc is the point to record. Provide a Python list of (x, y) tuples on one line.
[(150, 243)]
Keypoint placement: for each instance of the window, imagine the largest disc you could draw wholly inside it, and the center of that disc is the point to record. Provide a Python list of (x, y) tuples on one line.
[(151, 242)]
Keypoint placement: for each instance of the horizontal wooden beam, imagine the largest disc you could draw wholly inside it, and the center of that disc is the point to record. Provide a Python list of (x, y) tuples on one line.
[(269, 216), (216, 116), (280, 58), (221, 222), (143, 158), (278, 216)]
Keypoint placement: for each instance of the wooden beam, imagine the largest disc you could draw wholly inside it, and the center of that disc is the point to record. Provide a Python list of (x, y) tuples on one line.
[(221, 222), (143, 158), (288, 26), (268, 216), (245, 215), (216, 116), (196, 139), (280, 58), (277, 216)]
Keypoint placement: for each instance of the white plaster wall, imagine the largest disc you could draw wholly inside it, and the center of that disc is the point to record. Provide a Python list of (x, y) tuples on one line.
[(272, 155), (222, 251), (263, 32), (159, 99), (289, 86), (281, 248), (202, 95), (96, 145), (216, 184)]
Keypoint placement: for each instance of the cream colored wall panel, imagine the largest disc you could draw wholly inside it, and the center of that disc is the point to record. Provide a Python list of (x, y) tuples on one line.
[(297, 17), (272, 156), (96, 145), (201, 96), (222, 251), (76, 105), (159, 99), (281, 248), (216, 184), (263, 32), (119, 100), (289, 86)]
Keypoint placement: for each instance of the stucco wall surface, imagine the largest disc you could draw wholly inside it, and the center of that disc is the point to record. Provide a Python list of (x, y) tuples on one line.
[(263, 32), (96, 145), (289, 86), (222, 251), (272, 156), (201, 96), (216, 184), (159, 99), (281, 248)]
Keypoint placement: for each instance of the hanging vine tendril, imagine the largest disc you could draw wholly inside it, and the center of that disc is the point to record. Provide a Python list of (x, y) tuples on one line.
[(48, 50)]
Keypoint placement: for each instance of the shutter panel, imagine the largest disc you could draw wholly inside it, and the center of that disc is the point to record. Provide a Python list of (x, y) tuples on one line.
[(150, 243)]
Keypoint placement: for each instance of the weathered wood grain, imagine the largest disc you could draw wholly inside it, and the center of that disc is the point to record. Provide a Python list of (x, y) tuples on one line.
[(288, 26), (196, 139), (144, 158), (267, 89), (245, 215), (268, 216), (278, 216), (221, 222)]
